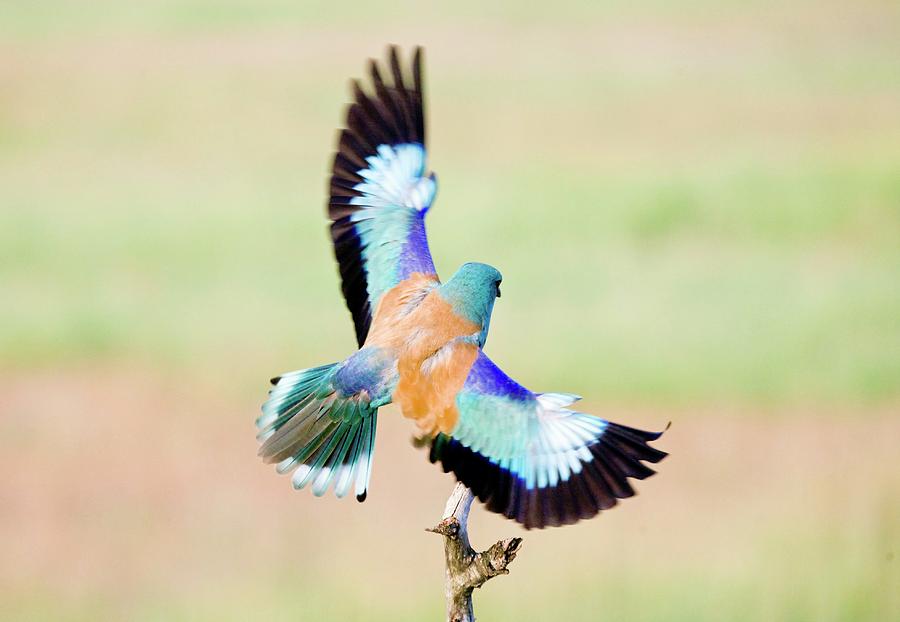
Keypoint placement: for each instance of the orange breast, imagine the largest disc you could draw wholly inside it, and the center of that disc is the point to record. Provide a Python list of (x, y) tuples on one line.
[(420, 326), (427, 389), (393, 318)]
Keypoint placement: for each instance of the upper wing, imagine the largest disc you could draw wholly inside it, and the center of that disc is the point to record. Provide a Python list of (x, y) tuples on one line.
[(528, 457), (379, 190)]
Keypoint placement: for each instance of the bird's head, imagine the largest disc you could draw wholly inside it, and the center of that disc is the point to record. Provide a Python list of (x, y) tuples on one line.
[(471, 292)]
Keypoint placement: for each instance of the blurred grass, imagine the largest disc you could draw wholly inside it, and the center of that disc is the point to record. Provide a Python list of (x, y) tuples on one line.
[(709, 212), (136, 498), (696, 208)]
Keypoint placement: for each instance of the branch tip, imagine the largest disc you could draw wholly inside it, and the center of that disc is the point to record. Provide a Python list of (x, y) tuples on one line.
[(467, 569)]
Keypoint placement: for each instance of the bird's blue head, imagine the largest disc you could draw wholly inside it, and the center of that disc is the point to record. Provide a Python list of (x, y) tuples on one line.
[(471, 292)]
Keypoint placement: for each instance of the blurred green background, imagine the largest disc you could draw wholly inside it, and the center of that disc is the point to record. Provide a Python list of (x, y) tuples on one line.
[(696, 208)]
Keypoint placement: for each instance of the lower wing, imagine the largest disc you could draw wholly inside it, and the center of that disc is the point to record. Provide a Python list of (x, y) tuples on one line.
[(529, 457)]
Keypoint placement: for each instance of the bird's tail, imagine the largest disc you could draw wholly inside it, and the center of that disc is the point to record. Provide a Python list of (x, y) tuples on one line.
[(309, 426)]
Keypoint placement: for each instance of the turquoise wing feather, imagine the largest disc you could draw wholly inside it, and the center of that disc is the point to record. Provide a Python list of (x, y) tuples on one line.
[(320, 422), (380, 191), (529, 457)]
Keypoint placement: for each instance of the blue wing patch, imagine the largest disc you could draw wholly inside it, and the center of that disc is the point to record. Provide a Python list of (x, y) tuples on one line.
[(380, 191), (529, 457)]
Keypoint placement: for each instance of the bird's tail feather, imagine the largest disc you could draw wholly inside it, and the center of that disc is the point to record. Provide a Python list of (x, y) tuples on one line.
[(325, 437)]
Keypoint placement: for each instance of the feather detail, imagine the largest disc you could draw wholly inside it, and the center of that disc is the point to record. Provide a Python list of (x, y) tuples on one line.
[(320, 423), (529, 457), (379, 189)]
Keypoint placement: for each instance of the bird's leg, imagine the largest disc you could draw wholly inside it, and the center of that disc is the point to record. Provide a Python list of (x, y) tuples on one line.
[(467, 569)]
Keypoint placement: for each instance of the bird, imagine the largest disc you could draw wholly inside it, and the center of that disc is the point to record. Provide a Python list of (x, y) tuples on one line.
[(526, 455)]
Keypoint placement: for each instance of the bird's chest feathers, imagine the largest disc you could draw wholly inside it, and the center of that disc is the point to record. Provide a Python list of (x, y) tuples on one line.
[(433, 364), (435, 348), (427, 388)]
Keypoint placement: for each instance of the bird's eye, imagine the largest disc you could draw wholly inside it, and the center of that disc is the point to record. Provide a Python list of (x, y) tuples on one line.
[(498, 288)]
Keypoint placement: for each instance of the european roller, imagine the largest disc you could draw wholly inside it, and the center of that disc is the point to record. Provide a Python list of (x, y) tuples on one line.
[(528, 456)]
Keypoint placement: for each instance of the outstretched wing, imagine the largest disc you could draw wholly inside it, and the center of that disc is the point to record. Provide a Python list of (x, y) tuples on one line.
[(379, 189), (529, 457)]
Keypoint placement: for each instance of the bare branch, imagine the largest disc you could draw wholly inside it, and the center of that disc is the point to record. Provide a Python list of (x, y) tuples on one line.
[(467, 569)]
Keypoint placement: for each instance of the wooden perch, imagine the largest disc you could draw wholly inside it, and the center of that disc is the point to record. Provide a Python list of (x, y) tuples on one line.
[(467, 569)]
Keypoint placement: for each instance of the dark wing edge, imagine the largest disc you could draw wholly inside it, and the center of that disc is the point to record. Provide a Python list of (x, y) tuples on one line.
[(575, 464), (391, 114)]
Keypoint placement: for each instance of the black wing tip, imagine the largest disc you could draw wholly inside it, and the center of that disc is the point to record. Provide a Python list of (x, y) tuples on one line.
[(393, 112), (653, 436), (601, 483), (381, 113), (394, 53), (389, 113), (405, 70), (362, 496)]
